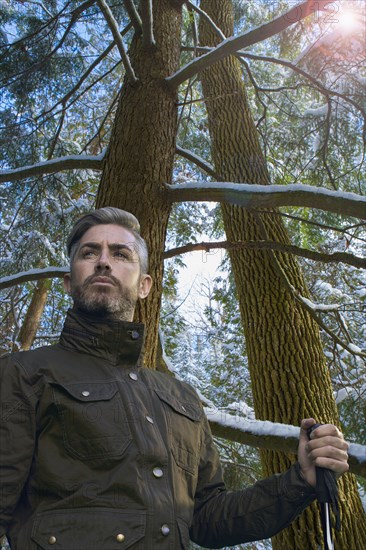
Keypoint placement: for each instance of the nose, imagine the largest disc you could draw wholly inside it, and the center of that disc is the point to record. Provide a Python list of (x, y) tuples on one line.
[(104, 261)]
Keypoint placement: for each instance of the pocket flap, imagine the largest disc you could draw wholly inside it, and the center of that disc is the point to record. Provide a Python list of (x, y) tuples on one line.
[(90, 391), (189, 409), (91, 529)]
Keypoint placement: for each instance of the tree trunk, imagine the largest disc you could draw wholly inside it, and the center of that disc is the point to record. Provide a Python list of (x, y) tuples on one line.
[(33, 316), (290, 378), (141, 151)]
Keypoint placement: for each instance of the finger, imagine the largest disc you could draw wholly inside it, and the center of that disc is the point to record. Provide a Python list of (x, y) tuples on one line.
[(337, 466), (327, 441), (326, 430), (328, 451), (306, 423)]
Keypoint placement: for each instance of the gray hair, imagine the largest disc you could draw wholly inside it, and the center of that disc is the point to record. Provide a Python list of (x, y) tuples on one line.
[(104, 216)]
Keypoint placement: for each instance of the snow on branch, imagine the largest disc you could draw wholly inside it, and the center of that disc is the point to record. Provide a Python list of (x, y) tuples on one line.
[(231, 45), (312, 309), (70, 162), (269, 196), (33, 275), (272, 435)]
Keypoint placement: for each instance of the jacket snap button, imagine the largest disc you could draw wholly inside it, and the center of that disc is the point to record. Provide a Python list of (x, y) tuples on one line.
[(85, 393), (52, 540), (165, 530), (135, 335), (158, 472), (120, 537), (132, 375)]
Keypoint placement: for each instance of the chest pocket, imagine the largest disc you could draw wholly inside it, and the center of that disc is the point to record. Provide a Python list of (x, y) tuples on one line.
[(183, 418), (94, 424)]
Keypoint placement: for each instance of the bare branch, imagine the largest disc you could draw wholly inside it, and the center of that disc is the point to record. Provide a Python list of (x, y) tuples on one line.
[(147, 23), (193, 26), (231, 45), (133, 15), (207, 18), (336, 257), (269, 196), (71, 162), (112, 23), (195, 159), (341, 257)]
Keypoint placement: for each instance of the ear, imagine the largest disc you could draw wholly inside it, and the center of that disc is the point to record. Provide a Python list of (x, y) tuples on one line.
[(67, 282), (144, 286)]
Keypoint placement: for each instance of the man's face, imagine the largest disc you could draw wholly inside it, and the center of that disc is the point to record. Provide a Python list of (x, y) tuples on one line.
[(105, 277)]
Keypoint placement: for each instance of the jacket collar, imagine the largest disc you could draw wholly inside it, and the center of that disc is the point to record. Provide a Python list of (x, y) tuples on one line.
[(119, 342)]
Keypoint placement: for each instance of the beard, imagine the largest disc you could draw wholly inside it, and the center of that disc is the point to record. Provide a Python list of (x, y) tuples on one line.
[(118, 301)]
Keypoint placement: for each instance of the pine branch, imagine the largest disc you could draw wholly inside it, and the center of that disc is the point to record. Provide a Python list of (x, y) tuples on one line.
[(84, 76), (75, 14), (231, 45), (269, 196), (112, 24)]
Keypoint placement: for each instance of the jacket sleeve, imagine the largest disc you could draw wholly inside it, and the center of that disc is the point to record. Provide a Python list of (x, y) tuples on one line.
[(226, 518), (17, 435)]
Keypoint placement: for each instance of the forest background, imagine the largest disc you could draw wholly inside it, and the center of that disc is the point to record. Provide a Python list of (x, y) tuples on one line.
[(252, 148)]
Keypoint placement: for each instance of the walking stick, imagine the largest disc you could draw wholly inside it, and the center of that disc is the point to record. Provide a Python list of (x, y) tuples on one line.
[(327, 495)]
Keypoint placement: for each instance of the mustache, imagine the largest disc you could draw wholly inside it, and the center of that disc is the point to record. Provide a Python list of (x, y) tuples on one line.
[(91, 278)]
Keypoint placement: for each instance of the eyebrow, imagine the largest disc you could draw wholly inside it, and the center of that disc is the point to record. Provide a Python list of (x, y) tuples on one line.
[(111, 246)]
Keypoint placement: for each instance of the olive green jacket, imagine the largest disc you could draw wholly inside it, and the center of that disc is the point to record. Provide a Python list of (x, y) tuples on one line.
[(99, 453)]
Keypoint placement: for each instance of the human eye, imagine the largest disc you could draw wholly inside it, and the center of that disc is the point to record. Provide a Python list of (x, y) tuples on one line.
[(122, 255), (89, 254)]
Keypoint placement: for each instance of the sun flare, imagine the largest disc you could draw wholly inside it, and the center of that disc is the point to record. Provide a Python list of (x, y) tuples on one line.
[(348, 20)]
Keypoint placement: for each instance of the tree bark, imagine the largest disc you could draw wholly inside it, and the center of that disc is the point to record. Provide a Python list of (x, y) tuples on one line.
[(290, 378), (141, 152), (33, 316)]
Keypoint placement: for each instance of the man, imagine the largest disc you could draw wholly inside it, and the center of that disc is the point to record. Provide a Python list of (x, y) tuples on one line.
[(100, 453)]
